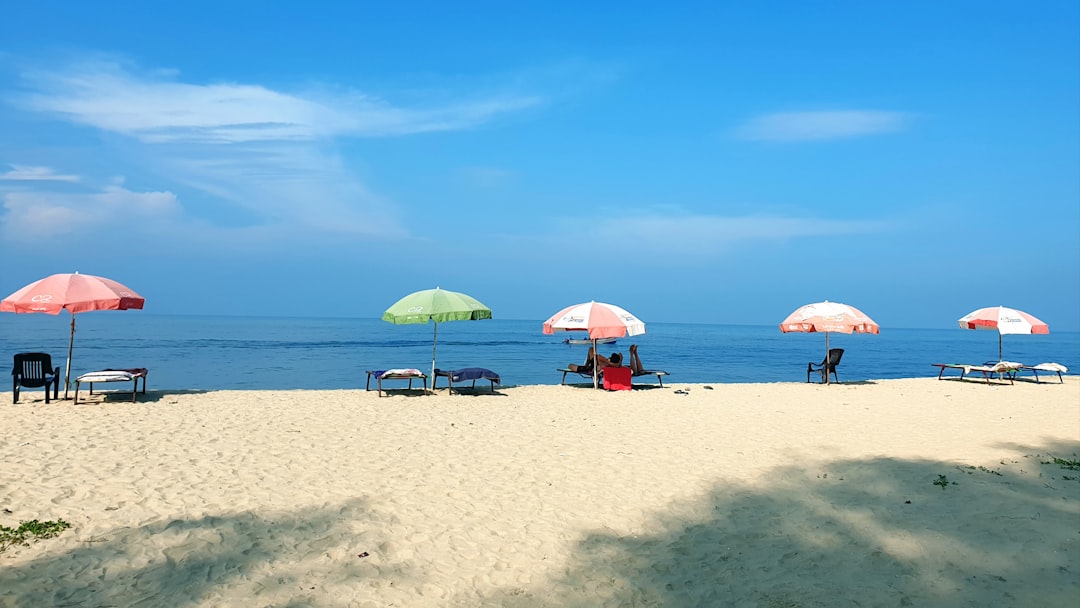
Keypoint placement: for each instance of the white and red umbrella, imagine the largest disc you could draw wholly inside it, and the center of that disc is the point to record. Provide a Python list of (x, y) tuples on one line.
[(76, 293), (829, 317), (1004, 321), (600, 320)]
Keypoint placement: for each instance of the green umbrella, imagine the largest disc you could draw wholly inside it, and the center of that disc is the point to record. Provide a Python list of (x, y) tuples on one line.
[(436, 305)]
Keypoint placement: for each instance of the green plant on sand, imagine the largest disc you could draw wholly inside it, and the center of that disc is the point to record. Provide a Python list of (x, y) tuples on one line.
[(34, 529)]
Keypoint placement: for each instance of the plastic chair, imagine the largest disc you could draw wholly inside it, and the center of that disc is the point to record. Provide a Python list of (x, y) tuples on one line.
[(833, 360), (34, 370)]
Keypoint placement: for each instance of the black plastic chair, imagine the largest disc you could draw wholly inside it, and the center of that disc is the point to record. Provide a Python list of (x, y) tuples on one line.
[(833, 360), (35, 370)]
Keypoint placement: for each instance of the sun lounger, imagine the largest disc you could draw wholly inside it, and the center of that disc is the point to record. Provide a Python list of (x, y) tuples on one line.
[(583, 373), (588, 374), (1004, 370), (652, 372), (464, 375), (131, 375), (1051, 368), (409, 374)]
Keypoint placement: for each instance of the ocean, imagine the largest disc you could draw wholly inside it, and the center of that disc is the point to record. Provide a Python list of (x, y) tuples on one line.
[(214, 353)]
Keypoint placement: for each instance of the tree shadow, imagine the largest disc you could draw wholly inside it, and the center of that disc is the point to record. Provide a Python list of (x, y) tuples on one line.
[(190, 562), (874, 532)]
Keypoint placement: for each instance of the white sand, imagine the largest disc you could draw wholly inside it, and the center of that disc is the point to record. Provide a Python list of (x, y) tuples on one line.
[(777, 495)]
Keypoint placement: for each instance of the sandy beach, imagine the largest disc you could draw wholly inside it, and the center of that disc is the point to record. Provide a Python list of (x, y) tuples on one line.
[(885, 493)]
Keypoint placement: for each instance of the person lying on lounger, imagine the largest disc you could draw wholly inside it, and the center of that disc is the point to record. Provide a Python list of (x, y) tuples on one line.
[(586, 368)]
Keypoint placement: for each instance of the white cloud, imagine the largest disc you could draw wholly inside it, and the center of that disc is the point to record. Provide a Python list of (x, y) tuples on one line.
[(809, 126), (33, 215), (273, 154), (29, 173), (105, 96)]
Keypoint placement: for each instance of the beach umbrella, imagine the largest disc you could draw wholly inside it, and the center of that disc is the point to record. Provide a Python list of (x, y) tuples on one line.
[(1003, 320), (437, 305), (829, 317), (75, 293), (599, 320)]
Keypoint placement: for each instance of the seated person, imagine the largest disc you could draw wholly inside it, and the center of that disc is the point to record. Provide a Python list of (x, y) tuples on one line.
[(596, 358)]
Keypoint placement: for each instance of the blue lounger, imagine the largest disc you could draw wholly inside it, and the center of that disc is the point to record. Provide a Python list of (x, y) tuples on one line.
[(466, 374)]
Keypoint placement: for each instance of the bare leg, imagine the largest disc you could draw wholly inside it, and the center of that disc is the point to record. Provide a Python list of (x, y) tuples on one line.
[(635, 360)]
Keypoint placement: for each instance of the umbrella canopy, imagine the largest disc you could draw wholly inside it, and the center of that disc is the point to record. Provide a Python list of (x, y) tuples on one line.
[(75, 293), (829, 317), (1003, 320), (438, 305), (600, 320)]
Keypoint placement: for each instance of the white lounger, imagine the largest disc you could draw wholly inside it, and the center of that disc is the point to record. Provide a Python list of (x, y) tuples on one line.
[(1050, 368), (113, 375)]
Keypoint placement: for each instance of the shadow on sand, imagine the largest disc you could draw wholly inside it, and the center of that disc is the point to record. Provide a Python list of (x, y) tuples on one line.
[(870, 532), (878, 532)]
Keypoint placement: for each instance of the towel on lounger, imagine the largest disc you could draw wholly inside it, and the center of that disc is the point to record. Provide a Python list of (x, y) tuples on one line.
[(106, 376), (399, 372), (469, 373)]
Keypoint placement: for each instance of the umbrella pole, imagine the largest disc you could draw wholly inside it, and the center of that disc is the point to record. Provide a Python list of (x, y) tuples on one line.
[(826, 357), (595, 360), (67, 370), (1000, 359), (434, 344)]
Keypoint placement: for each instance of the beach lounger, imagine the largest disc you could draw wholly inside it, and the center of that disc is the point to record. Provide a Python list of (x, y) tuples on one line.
[(1050, 368), (1004, 370), (131, 375), (582, 373), (34, 370), (464, 375), (659, 373), (409, 374)]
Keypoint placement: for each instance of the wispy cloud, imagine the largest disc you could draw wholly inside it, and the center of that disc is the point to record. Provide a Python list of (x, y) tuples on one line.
[(36, 174), (809, 126), (271, 153), (32, 215), (157, 109)]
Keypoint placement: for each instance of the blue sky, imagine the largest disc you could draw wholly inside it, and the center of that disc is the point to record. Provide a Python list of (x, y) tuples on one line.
[(700, 162)]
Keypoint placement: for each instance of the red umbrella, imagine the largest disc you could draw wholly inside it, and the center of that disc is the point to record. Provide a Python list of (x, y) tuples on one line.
[(600, 320), (1004, 321), (829, 317), (76, 293)]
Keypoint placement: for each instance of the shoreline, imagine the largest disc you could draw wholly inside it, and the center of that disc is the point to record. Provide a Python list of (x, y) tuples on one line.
[(778, 494)]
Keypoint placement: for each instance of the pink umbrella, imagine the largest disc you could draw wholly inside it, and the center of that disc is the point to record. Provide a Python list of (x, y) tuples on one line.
[(76, 293), (829, 317), (1004, 321), (600, 320)]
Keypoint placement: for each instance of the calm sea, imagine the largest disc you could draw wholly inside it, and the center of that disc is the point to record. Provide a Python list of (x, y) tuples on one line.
[(207, 352)]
